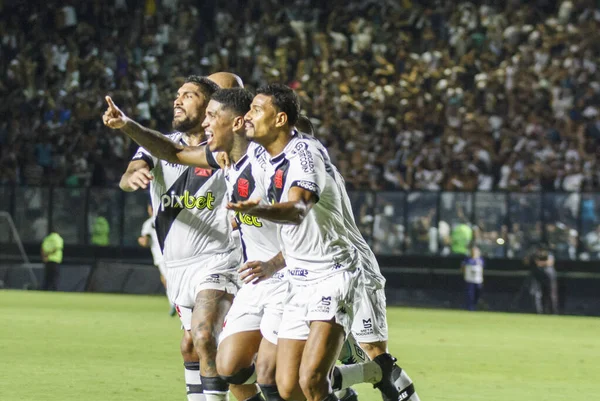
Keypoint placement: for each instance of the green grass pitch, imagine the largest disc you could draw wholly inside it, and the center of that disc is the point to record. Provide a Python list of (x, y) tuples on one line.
[(92, 347)]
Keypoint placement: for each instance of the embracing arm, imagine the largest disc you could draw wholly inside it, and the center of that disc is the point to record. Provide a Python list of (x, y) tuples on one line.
[(291, 212)]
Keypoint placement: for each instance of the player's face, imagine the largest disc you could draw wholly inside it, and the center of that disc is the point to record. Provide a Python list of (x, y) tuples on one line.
[(218, 126), (260, 120), (189, 108)]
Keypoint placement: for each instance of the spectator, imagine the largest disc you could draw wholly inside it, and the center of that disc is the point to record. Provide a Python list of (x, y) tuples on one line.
[(52, 256), (461, 238)]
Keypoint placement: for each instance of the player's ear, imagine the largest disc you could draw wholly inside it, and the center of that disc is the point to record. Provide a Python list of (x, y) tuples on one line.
[(238, 123), (280, 119)]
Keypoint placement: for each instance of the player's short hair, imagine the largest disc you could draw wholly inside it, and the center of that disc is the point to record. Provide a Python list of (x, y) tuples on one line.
[(284, 99), (237, 100), (207, 87)]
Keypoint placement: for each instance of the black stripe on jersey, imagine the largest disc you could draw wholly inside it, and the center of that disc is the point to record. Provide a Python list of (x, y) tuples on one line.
[(278, 182), (244, 185), (190, 180), (308, 186), (211, 159), (145, 157)]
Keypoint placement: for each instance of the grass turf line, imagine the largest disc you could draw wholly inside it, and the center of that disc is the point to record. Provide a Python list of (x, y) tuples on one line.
[(98, 347)]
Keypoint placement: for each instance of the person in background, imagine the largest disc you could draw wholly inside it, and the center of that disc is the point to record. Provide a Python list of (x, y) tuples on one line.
[(461, 237), (149, 239), (100, 232), (472, 269), (52, 255), (543, 284)]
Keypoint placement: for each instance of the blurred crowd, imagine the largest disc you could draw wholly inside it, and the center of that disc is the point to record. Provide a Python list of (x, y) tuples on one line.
[(427, 95)]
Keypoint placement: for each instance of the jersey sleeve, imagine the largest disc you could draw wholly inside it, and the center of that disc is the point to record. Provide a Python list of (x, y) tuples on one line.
[(211, 158), (147, 228), (307, 169), (143, 154)]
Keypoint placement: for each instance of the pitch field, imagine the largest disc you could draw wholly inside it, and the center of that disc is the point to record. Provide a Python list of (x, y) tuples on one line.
[(61, 347)]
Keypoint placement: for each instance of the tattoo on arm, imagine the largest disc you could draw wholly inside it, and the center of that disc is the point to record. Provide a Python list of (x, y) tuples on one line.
[(156, 143)]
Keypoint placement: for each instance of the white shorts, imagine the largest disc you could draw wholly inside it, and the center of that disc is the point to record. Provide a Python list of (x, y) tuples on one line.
[(257, 307), (186, 278), (330, 298), (370, 321)]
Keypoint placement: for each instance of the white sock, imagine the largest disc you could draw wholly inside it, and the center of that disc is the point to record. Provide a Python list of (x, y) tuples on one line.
[(192, 378), (367, 372), (217, 396), (404, 383)]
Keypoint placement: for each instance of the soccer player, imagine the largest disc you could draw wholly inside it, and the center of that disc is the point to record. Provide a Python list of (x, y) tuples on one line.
[(252, 323), (322, 263), (369, 326), (193, 229)]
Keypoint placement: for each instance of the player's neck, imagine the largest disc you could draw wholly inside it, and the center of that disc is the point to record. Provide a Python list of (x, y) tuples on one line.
[(238, 150), (276, 147), (194, 138)]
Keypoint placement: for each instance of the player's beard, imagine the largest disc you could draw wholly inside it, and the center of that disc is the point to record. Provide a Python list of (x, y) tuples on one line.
[(184, 125)]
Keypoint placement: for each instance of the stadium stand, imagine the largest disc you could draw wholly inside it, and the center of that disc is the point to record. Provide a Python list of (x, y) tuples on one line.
[(424, 95)]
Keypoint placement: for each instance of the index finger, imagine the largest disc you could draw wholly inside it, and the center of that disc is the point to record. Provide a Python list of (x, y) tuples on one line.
[(247, 266), (110, 102)]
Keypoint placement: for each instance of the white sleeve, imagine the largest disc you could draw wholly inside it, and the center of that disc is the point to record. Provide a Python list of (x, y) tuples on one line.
[(143, 154), (307, 169), (147, 228)]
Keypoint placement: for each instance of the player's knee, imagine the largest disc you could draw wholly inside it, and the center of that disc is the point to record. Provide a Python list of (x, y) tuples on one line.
[(265, 371), (286, 386), (244, 375), (312, 381), (187, 348), (374, 349), (203, 338)]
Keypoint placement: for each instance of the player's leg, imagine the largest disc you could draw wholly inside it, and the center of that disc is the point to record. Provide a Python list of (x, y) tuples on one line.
[(191, 365), (266, 371), (235, 363), (318, 359), (208, 315), (371, 331), (289, 357)]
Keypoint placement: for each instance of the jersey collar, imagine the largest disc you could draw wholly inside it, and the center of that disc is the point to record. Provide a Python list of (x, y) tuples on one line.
[(281, 156), (240, 163)]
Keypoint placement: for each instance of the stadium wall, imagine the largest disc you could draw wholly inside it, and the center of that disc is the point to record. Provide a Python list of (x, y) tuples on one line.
[(433, 282)]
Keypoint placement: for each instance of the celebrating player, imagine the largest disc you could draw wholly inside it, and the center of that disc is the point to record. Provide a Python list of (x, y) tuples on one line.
[(194, 232), (322, 262)]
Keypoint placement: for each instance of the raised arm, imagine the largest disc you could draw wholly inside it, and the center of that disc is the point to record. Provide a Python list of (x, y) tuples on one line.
[(154, 142)]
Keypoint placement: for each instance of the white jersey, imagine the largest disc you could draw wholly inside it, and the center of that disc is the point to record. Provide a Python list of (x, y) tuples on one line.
[(245, 180), (373, 277), (148, 230), (189, 208), (372, 274), (319, 246), (473, 270)]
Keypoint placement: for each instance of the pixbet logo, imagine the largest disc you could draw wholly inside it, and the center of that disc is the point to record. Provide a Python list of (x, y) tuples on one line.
[(187, 201), (248, 220)]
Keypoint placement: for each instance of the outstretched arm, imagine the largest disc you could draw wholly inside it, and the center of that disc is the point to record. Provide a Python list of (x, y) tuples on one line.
[(154, 142), (299, 203)]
